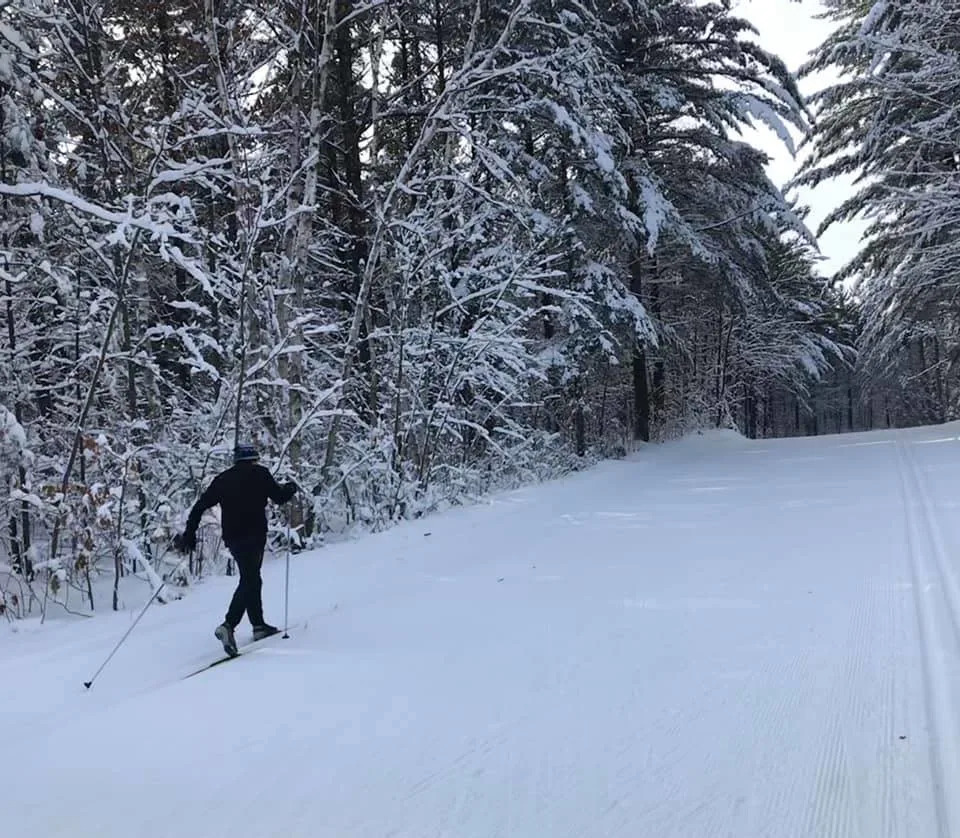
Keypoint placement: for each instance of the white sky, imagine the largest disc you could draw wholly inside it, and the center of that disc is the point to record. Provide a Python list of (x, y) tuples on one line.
[(791, 30)]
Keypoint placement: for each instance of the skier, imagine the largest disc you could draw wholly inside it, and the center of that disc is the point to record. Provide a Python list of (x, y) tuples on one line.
[(242, 492)]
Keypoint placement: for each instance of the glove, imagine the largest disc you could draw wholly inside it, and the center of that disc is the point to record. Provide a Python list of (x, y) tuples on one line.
[(185, 543), (289, 489)]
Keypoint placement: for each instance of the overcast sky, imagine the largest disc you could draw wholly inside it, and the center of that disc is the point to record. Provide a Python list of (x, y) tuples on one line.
[(792, 30)]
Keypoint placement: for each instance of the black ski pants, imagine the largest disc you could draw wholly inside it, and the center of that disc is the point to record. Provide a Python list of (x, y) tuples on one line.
[(249, 558)]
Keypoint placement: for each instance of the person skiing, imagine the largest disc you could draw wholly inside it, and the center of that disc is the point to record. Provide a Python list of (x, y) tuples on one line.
[(242, 492)]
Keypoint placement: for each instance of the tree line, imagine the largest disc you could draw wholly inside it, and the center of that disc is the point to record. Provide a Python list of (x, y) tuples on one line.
[(420, 250)]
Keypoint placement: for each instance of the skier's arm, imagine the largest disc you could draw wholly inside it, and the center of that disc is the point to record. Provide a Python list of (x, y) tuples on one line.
[(210, 497), (279, 493)]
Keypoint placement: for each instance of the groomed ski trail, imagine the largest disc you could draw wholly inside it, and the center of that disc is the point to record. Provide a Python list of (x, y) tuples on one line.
[(937, 592), (713, 638)]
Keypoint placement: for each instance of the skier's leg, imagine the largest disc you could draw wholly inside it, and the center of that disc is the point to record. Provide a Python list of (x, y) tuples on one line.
[(224, 632), (246, 597), (239, 601), (254, 587), (261, 628), (249, 557)]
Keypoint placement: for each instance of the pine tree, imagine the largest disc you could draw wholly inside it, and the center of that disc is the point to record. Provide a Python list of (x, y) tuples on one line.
[(893, 124)]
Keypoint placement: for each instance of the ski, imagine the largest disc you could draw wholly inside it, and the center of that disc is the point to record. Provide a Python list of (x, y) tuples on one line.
[(241, 651), (217, 662)]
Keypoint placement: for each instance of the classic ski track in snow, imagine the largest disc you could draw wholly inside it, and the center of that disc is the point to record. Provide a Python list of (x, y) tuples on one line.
[(937, 594), (711, 639)]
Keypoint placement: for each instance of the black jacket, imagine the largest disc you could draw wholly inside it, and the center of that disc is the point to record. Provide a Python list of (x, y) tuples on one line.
[(242, 492)]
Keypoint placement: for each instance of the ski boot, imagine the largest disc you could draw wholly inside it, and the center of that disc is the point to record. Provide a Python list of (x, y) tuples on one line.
[(224, 634), (263, 631)]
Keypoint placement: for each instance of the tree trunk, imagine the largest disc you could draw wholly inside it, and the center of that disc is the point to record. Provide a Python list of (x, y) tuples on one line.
[(641, 395), (723, 353), (750, 411), (19, 542), (580, 421), (941, 406), (658, 394), (641, 387)]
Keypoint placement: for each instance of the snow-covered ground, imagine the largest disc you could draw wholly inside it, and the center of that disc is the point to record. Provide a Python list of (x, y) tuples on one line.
[(713, 638)]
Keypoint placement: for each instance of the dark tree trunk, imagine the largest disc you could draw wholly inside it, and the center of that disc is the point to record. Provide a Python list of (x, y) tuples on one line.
[(641, 395), (19, 541), (580, 421), (354, 220), (941, 402), (658, 393), (750, 411), (641, 388)]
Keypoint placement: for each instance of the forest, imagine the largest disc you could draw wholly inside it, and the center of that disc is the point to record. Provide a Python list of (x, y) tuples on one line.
[(420, 250)]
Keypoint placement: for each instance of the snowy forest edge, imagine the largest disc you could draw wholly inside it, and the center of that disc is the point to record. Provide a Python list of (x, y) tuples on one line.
[(421, 252)]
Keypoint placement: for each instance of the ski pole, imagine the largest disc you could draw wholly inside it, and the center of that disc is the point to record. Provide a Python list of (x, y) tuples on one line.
[(286, 587), (126, 634)]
